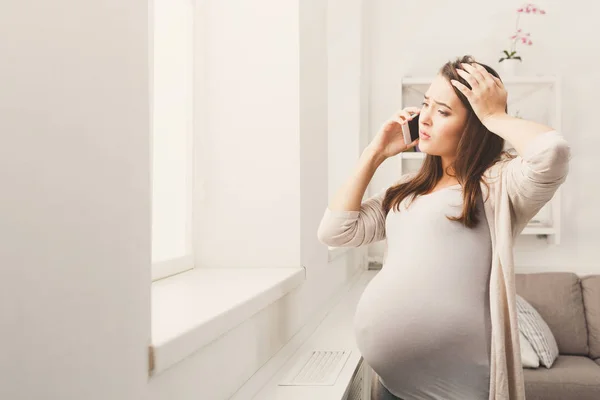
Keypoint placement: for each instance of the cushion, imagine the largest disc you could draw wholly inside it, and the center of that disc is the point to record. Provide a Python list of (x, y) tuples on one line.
[(557, 297), (534, 328), (570, 378), (529, 358), (590, 286)]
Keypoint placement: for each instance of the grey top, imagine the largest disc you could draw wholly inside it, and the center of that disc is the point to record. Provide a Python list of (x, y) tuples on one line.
[(515, 189), (423, 322)]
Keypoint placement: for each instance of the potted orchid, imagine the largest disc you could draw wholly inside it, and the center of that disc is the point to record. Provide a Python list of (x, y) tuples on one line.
[(511, 58)]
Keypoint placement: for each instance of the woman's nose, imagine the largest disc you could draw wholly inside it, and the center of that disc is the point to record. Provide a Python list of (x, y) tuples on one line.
[(425, 118)]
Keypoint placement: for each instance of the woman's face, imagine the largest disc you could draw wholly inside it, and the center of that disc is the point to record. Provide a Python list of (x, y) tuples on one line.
[(442, 119)]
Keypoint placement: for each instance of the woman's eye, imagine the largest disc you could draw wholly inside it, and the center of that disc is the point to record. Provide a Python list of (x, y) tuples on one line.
[(424, 104)]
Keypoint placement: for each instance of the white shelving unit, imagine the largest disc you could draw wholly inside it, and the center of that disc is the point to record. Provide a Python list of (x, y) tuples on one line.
[(533, 79), (536, 98)]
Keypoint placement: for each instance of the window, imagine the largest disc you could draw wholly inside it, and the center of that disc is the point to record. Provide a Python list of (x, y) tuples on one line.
[(172, 136)]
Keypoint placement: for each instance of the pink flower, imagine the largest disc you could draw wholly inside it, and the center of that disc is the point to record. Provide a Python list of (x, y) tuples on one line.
[(519, 36), (530, 8)]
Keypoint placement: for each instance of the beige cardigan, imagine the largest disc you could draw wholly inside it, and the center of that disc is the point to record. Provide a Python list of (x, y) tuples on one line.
[(518, 189)]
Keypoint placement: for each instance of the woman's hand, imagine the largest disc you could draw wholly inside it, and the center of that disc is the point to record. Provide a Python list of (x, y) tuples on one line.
[(487, 94), (389, 141)]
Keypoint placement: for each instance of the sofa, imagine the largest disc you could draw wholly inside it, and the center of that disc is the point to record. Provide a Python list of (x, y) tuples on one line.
[(570, 305)]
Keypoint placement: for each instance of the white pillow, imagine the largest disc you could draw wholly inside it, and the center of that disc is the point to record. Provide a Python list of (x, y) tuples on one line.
[(529, 358), (538, 333)]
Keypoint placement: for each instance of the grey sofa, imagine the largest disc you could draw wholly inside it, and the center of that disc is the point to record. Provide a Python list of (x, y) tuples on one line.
[(571, 307)]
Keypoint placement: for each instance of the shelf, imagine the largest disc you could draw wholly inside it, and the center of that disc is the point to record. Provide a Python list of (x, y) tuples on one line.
[(538, 230), (533, 79)]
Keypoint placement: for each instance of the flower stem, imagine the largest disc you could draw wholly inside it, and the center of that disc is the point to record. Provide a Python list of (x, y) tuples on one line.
[(514, 45)]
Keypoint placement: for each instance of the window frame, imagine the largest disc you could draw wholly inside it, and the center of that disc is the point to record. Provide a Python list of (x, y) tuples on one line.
[(173, 266)]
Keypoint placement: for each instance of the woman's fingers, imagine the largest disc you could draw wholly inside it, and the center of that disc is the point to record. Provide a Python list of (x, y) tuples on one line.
[(469, 78), (475, 74), (498, 82), (465, 90), (488, 78), (408, 113), (399, 120), (414, 110), (405, 115), (413, 144)]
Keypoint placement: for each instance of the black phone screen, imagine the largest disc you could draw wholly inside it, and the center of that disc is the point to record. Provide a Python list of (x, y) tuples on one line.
[(413, 126)]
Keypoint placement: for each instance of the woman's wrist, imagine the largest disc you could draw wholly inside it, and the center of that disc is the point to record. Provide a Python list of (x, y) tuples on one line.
[(373, 156), (494, 121)]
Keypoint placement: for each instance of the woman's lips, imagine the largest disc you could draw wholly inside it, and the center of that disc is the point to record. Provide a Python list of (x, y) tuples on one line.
[(423, 135)]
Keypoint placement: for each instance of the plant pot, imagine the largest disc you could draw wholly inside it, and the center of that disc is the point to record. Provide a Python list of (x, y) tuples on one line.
[(510, 66)]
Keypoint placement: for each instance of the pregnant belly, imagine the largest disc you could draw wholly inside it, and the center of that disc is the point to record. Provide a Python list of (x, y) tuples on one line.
[(396, 324)]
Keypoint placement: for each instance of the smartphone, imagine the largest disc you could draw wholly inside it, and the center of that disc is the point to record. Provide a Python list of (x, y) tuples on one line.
[(411, 130)]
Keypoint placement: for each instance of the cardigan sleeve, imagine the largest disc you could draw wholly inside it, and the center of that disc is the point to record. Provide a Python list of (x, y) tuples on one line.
[(532, 179), (355, 228)]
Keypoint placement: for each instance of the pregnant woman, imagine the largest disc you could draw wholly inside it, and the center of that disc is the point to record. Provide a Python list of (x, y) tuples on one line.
[(439, 320)]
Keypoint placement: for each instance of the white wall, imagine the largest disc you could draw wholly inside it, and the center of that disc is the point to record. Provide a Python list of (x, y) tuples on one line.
[(280, 165), (75, 229), (348, 88), (75, 203), (417, 38), (252, 72)]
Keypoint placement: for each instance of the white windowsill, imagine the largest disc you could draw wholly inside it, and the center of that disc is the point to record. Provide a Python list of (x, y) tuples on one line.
[(192, 309)]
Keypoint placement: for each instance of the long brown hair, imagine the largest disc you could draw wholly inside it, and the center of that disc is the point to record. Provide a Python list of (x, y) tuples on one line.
[(478, 149)]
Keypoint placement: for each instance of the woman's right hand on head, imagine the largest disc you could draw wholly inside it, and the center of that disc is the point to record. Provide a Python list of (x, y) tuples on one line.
[(389, 141)]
